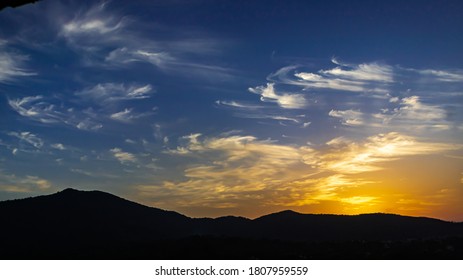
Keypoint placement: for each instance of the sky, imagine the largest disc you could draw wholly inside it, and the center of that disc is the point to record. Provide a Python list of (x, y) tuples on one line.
[(214, 108)]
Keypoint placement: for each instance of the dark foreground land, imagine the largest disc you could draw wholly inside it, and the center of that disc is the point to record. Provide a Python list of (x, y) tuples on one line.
[(95, 225)]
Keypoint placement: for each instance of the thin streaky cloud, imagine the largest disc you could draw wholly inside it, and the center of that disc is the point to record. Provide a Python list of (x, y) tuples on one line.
[(106, 39), (58, 146), (454, 76), (23, 184), (28, 137), (113, 92), (12, 65), (284, 100), (127, 115), (349, 117), (236, 165), (43, 110), (122, 156), (240, 105)]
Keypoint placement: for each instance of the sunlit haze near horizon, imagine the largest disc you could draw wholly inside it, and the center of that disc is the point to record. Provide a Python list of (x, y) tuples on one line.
[(213, 108)]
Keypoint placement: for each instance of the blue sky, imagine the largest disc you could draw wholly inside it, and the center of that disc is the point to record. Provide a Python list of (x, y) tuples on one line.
[(236, 107)]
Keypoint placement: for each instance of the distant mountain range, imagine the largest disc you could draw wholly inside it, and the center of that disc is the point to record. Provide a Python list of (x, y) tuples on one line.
[(74, 224)]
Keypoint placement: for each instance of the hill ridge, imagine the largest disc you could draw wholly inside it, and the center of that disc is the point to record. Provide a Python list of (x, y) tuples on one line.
[(75, 221), (287, 212)]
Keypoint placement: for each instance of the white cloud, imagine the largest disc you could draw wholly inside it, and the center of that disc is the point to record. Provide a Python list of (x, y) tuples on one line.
[(88, 124), (412, 113), (123, 157), (103, 38), (130, 141), (234, 170), (230, 166), (238, 105), (106, 39), (394, 99), (110, 92), (126, 115), (95, 23), (123, 116), (126, 55), (362, 72), (339, 154), (349, 117), (441, 75), (23, 184), (29, 138), (366, 77), (177, 151), (413, 109), (151, 53), (267, 116), (88, 26), (156, 58), (250, 111), (344, 156), (11, 65), (83, 172), (58, 146), (38, 108), (35, 107), (44, 110), (285, 100)]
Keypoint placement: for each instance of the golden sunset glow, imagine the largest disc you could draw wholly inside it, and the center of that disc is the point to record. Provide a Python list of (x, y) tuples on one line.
[(384, 173)]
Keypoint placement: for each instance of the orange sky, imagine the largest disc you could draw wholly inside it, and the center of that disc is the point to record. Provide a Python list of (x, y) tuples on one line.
[(390, 173)]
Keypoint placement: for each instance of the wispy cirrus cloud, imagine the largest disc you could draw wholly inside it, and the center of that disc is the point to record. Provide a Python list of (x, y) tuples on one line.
[(127, 115), (415, 114), (113, 92), (239, 105), (251, 111), (228, 171), (361, 72), (23, 184), (95, 23), (349, 117), (345, 156), (89, 125), (108, 39), (44, 110), (29, 138), (12, 64), (125, 55), (284, 100), (58, 146), (452, 76), (384, 98), (366, 77), (263, 116), (101, 102), (122, 156), (407, 114), (37, 108)]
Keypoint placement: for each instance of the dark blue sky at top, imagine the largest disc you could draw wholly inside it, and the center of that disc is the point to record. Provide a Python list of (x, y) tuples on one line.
[(91, 90), (397, 30)]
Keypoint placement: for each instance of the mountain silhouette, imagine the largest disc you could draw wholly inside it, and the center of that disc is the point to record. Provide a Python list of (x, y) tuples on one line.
[(74, 224)]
